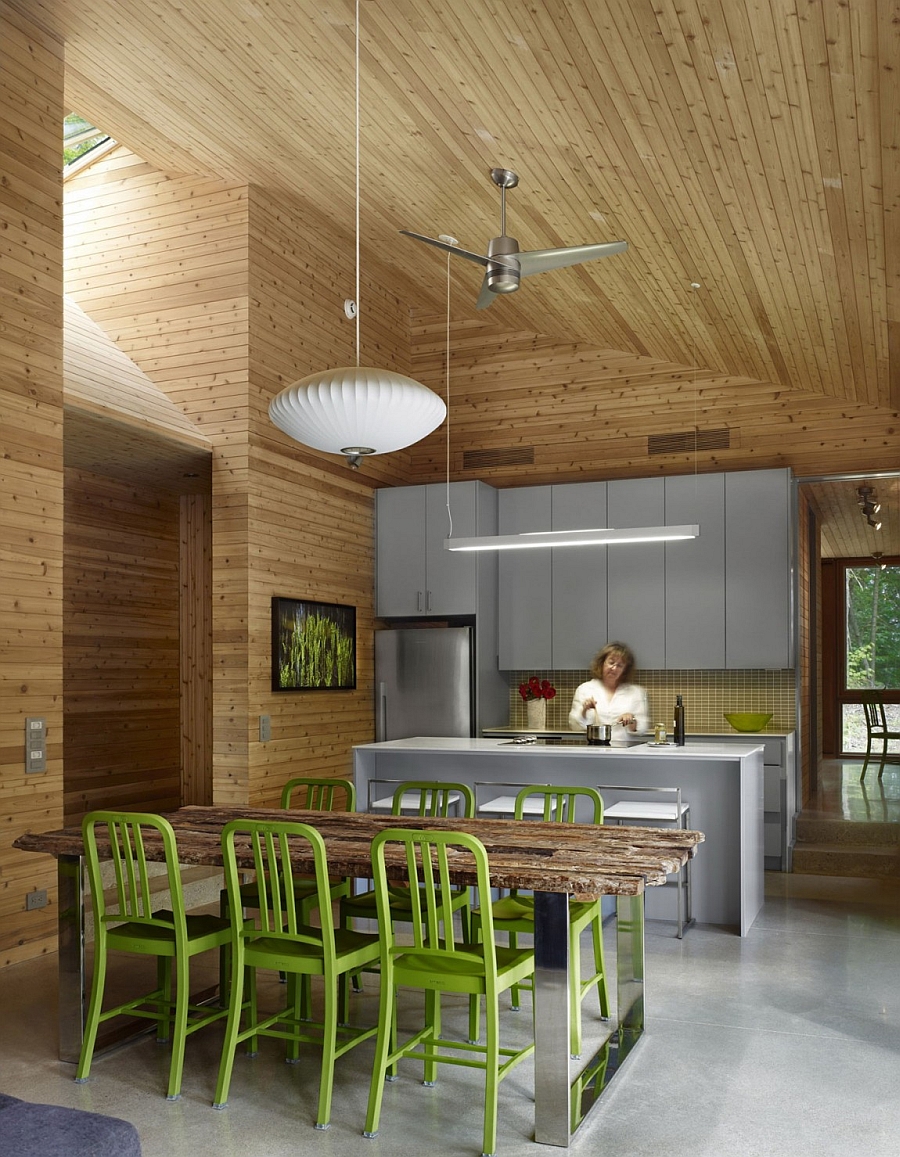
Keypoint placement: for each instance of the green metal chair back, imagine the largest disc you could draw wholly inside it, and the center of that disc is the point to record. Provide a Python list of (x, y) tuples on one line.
[(285, 854), (434, 798), (325, 795), (514, 913), (560, 803), (127, 922), (435, 962)]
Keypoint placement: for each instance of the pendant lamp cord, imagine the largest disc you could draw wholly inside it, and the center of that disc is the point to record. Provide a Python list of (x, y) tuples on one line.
[(357, 183), (447, 387), (695, 285)]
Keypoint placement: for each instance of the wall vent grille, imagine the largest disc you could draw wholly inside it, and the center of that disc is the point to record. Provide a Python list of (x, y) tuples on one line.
[(510, 456), (687, 441)]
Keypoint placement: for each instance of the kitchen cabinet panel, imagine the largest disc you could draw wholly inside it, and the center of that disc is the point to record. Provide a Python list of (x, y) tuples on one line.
[(695, 573), (578, 577), (525, 614), (636, 573), (400, 552), (415, 575), (758, 577)]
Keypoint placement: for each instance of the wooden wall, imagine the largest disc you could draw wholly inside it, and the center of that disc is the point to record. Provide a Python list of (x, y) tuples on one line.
[(122, 655), (31, 469), (222, 295), (555, 412)]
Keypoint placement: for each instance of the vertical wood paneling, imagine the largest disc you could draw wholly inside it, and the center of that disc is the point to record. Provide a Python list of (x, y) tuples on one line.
[(31, 469), (195, 618), (122, 674)]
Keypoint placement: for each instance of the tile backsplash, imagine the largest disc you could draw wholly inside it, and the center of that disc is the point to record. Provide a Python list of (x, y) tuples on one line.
[(706, 695)]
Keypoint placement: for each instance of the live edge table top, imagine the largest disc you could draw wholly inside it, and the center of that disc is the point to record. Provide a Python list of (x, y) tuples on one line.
[(580, 859)]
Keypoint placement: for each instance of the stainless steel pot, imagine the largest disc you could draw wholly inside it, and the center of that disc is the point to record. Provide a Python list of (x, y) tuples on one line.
[(599, 733)]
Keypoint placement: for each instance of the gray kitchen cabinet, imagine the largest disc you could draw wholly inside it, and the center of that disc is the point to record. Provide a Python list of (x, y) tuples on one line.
[(415, 575), (525, 616), (636, 606), (695, 573), (758, 575), (578, 577)]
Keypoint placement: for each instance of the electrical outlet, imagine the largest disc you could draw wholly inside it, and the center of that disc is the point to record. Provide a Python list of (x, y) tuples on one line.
[(36, 899), (265, 728)]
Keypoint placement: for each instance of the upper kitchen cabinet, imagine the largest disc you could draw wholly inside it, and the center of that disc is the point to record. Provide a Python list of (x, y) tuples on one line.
[(524, 613), (695, 573), (636, 605), (415, 575), (578, 576), (758, 573)]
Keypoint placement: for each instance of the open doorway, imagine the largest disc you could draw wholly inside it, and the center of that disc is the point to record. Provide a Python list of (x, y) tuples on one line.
[(846, 543)]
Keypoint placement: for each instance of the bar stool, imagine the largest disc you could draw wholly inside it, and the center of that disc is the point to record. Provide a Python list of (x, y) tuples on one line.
[(664, 813), (504, 806)]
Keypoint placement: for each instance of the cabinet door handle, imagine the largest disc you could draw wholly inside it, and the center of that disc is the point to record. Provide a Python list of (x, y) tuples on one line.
[(418, 600), (428, 600)]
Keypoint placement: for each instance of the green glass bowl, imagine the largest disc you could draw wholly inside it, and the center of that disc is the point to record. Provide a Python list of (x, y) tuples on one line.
[(748, 720)]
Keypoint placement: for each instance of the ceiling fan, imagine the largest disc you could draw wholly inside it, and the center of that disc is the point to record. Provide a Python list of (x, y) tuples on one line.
[(504, 264)]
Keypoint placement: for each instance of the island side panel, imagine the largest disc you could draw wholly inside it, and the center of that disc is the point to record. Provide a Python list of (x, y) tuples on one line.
[(724, 789)]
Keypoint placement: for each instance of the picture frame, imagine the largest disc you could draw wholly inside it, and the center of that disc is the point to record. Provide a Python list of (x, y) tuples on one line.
[(313, 645)]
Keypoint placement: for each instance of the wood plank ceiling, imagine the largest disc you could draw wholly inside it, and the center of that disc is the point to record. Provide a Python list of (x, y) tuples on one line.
[(746, 145)]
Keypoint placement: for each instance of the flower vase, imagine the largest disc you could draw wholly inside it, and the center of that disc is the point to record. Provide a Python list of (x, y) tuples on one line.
[(536, 711)]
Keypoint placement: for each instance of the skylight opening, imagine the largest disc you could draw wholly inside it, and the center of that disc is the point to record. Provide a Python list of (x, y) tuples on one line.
[(79, 138)]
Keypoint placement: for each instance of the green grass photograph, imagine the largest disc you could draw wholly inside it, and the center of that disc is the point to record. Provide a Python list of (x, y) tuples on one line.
[(313, 646)]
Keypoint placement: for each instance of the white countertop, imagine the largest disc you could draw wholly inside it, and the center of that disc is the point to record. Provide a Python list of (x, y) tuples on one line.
[(431, 744)]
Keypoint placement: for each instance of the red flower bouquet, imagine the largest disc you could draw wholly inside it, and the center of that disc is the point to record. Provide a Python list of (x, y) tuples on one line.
[(537, 688)]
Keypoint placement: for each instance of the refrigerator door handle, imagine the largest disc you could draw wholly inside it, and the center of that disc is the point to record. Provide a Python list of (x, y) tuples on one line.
[(381, 729)]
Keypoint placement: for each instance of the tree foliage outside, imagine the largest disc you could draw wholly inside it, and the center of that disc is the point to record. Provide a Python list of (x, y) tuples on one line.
[(873, 627), (872, 645)]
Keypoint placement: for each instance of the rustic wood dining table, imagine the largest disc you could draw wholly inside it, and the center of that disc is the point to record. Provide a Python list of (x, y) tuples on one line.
[(554, 860)]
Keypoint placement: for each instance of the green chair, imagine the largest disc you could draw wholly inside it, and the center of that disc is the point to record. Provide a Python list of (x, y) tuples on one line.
[(130, 925), (515, 913), (423, 798), (306, 794), (286, 943), (436, 963)]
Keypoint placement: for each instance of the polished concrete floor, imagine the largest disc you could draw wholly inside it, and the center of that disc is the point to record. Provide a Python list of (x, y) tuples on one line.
[(841, 794), (785, 1043)]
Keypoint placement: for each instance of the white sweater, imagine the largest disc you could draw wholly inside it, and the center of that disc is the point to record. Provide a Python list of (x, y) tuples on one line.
[(627, 699)]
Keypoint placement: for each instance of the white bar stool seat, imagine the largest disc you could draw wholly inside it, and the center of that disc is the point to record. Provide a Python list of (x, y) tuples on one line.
[(633, 809), (505, 805), (409, 801)]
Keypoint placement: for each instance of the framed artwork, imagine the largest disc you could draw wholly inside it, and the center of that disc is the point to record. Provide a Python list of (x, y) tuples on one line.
[(313, 646)]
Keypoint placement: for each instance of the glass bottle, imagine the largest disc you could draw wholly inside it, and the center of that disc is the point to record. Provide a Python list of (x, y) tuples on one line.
[(678, 733)]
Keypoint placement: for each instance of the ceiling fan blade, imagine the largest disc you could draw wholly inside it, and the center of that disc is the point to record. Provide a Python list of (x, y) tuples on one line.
[(485, 297), (477, 257), (541, 260)]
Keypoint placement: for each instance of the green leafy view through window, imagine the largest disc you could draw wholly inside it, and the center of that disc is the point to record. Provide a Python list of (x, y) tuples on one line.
[(79, 137), (873, 627)]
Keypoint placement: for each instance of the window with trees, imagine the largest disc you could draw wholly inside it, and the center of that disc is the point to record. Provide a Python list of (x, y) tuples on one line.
[(871, 645)]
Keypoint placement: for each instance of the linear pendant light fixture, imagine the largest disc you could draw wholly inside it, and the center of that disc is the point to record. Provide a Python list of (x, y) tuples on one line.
[(600, 536), (556, 538), (357, 410)]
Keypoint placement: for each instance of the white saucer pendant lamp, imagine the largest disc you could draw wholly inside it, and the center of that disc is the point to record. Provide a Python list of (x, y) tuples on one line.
[(357, 411)]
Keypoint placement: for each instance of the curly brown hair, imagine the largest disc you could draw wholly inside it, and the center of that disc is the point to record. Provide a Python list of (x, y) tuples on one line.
[(620, 649)]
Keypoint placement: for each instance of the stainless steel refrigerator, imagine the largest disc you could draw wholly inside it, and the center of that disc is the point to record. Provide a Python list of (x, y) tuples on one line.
[(424, 682)]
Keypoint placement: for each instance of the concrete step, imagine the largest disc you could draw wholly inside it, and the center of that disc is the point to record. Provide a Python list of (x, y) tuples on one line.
[(846, 833), (827, 859)]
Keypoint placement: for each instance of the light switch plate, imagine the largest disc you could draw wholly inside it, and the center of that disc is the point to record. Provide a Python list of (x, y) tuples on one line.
[(265, 728)]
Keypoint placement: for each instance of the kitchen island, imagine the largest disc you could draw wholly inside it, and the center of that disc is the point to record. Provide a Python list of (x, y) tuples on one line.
[(723, 783)]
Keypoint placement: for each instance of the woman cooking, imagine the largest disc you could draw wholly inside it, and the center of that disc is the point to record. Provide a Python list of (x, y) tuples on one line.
[(609, 697)]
